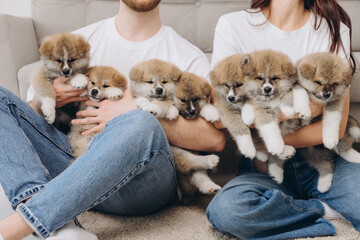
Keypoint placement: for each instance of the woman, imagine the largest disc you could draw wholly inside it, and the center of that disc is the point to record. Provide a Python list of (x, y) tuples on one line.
[(252, 205)]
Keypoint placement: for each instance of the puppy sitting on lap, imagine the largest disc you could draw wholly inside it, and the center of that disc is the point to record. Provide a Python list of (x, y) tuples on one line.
[(64, 55)]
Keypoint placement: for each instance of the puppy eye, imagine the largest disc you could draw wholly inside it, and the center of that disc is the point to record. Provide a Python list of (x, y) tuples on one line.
[(226, 85), (164, 82), (182, 100), (93, 83), (106, 86), (150, 82), (238, 85), (58, 60), (259, 78), (275, 78), (334, 84), (196, 99), (72, 60), (318, 83)]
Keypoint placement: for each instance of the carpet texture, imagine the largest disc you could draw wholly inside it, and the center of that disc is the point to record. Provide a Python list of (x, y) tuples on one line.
[(178, 222)]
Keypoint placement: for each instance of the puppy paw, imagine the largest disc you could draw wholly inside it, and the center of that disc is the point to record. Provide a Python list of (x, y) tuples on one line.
[(209, 188), (246, 146), (48, 109), (262, 156), (212, 161), (172, 113), (289, 152), (79, 81), (248, 114), (276, 172), (276, 147), (114, 93), (330, 140), (303, 111), (141, 102), (210, 113), (288, 111), (153, 109), (324, 182)]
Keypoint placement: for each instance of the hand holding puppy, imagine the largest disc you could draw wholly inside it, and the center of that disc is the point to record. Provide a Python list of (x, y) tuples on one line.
[(65, 92)]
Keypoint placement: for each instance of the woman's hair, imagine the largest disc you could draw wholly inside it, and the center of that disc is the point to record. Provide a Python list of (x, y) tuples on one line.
[(331, 12)]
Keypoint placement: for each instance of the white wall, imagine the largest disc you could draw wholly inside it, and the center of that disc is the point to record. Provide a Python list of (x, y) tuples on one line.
[(16, 7)]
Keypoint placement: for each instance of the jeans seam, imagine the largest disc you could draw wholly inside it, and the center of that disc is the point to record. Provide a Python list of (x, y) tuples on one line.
[(25, 195), (297, 207), (33, 221)]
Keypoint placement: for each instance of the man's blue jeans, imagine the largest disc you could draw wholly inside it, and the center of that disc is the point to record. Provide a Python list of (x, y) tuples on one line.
[(253, 206), (128, 168)]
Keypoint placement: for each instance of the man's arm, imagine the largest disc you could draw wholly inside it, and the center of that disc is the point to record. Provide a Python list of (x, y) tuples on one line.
[(196, 134)]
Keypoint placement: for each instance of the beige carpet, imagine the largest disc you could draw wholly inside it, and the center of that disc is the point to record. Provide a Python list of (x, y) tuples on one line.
[(176, 223)]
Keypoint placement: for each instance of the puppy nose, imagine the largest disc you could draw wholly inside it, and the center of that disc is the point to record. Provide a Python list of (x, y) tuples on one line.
[(327, 95), (231, 98), (192, 111), (66, 71), (159, 91), (267, 89), (94, 92)]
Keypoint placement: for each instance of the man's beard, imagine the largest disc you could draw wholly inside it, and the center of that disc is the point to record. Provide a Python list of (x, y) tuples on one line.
[(138, 6)]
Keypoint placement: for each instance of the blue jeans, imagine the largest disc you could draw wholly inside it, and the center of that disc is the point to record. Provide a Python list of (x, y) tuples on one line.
[(253, 206), (128, 168)]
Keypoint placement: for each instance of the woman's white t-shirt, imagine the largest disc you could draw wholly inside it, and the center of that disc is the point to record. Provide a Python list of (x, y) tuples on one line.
[(244, 32), (109, 48)]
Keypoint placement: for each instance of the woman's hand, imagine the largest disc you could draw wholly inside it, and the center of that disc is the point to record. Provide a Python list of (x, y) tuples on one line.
[(106, 111), (65, 93)]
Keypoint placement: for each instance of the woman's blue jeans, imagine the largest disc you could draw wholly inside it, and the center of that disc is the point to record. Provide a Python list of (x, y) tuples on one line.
[(253, 206), (127, 170)]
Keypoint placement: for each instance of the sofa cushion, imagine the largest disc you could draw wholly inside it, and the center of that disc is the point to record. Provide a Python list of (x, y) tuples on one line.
[(24, 76)]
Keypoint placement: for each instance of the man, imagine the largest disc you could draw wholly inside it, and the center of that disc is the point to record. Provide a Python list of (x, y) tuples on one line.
[(128, 168)]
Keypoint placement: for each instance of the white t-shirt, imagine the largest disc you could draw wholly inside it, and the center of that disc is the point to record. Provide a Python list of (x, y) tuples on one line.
[(110, 49), (244, 32)]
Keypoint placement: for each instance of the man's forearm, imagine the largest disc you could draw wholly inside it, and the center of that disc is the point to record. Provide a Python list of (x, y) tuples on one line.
[(196, 134)]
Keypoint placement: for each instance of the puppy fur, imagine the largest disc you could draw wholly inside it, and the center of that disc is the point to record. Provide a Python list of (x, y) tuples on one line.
[(227, 78), (154, 86), (104, 83), (193, 100), (64, 55)]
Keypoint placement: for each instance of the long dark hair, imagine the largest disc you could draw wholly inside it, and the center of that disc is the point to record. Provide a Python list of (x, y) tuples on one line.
[(333, 14)]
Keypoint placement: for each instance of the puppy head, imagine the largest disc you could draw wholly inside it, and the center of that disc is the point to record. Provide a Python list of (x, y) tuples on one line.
[(325, 75), (192, 93), (227, 77), (269, 74), (65, 54), (105, 83), (154, 79)]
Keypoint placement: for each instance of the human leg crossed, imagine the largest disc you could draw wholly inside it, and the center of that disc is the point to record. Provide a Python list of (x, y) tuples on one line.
[(253, 206), (132, 146)]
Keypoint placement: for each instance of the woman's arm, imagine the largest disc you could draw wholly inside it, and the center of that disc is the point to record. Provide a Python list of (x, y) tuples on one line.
[(312, 134)]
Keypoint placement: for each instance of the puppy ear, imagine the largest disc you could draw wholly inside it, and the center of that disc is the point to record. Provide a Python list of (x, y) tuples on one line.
[(175, 73), (347, 76), (46, 47), (288, 69), (119, 81), (307, 70), (248, 65), (82, 46), (206, 89), (137, 72), (214, 76)]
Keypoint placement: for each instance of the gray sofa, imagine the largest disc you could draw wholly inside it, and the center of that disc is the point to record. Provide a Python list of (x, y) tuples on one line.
[(195, 20)]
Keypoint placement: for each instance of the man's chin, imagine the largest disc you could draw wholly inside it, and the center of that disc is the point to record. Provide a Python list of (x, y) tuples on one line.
[(142, 5)]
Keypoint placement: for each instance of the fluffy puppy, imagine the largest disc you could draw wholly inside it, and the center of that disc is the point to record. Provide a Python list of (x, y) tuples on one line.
[(64, 55), (269, 75), (154, 86), (104, 83), (193, 100), (227, 78)]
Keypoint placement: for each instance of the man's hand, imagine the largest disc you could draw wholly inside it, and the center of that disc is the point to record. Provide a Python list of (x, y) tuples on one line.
[(65, 93), (106, 111)]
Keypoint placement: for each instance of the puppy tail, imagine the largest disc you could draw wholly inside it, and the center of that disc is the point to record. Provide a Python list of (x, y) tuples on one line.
[(353, 127)]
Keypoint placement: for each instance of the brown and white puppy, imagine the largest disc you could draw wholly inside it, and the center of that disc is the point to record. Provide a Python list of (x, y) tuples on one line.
[(64, 55), (193, 96), (154, 86), (269, 75), (104, 83), (227, 78)]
